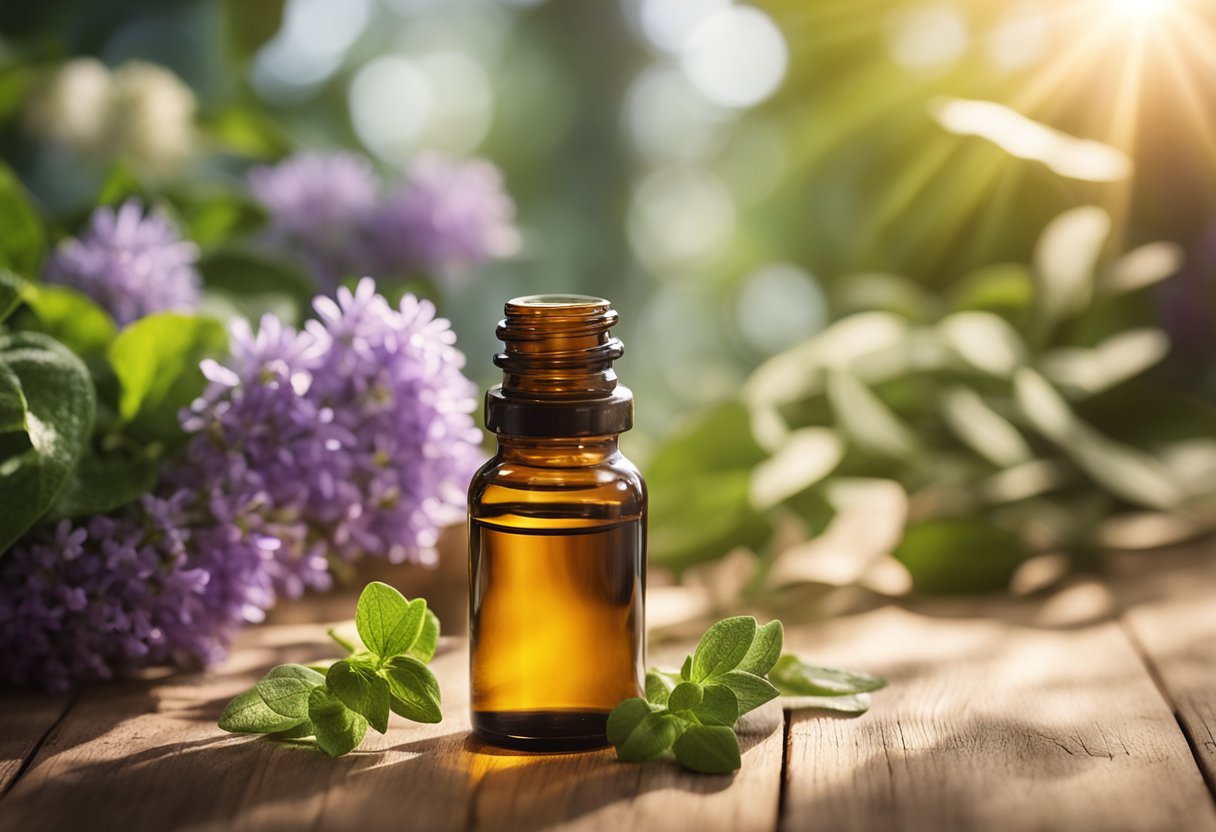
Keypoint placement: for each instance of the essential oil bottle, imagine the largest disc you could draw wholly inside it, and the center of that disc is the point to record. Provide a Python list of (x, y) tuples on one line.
[(557, 535)]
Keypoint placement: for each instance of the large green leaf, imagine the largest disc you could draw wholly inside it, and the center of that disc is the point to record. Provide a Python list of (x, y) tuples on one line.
[(69, 317), (156, 360), (700, 481), (957, 556), (107, 478), (60, 406), (10, 293), (22, 238)]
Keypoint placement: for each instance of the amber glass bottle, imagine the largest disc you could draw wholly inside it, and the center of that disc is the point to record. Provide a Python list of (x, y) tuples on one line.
[(557, 535)]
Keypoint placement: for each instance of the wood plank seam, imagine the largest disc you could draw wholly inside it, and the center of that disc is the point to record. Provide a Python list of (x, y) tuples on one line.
[(37, 746), (1192, 742), (787, 739)]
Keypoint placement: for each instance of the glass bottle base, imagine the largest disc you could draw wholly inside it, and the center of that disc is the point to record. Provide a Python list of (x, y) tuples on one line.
[(542, 730)]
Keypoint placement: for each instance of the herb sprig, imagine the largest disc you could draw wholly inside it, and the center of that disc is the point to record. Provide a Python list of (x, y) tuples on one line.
[(336, 704), (736, 667)]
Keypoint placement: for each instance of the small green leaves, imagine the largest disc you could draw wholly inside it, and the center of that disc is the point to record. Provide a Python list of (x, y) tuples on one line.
[(640, 733), (766, 647), (685, 696), (692, 714), (360, 689), (794, 677), (338, 703), (338, 729), (388, 624), (249, 714), (723, 647), (414, 689), (708, 749), (285, 689)]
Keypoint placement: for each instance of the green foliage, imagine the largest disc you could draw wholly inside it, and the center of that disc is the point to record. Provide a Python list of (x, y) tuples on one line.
[(22, 238), (156, 360), (982, 406), (336, 707), (48, 405), (69, 317), (735, 668)]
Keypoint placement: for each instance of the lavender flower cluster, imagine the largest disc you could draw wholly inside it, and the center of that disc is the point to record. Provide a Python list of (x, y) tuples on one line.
[(445, 217), (350, 437), (130, 264)]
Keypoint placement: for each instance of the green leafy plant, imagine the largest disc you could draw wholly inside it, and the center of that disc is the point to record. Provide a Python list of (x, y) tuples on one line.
[(1016, 412), (337, 703), (737, 666)]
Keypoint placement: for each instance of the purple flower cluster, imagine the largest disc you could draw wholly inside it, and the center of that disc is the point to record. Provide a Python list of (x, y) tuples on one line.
[(93, 598), (446, 217), (351, 438), (130, 263)]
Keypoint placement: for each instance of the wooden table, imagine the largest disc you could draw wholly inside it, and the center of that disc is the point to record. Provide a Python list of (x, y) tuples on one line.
[(1095, 709)]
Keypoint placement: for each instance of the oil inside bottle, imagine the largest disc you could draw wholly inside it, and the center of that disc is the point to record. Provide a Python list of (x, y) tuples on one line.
[(557, 630)]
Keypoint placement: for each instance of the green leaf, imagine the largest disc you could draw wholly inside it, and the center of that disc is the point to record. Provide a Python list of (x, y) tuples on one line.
[(244, 271), (428, 641), (12, 402), (249, 132), (60, 406), (867, 420), (750, 690), (700, 490), (853, 703), (414, 689), (11, 288), (1065, 256), (156, 360), (22, 239), (361, 690), (70, 317), (765, 649), (388, 624), (953, 556), (723, 647), (285, 689), (684, 697), (338, 729), (794, 677), (718, 707), (658, 688), (686, 669), (248, 714), (108, 478), (625, 717), (304, 729), (640, 733), (708, 749)]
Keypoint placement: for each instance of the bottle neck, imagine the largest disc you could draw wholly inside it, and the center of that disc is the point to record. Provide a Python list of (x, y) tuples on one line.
[(557, 376), (574, 452)]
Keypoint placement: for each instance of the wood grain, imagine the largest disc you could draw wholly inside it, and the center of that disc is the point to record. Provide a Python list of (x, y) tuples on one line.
[(991, 725), (1170, 612), (25, 719)]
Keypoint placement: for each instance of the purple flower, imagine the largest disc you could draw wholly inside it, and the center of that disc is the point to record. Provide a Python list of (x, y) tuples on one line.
[(94, 598), (132, 265), (351, 438), (320, 206), (448, 215)]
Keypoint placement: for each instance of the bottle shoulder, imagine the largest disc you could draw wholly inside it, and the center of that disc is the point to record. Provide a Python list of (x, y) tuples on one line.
[(613, 481)]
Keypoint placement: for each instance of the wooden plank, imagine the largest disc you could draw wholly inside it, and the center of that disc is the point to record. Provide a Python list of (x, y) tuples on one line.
[(147, 755), (991, 725), (1170, 611), (25, 719)]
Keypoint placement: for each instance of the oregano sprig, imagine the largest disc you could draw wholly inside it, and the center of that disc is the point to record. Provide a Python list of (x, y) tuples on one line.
[(336, 704), (736, 667)]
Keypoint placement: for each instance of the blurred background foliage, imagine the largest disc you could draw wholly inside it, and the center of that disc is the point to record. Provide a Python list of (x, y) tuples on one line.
[(915, 293)]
